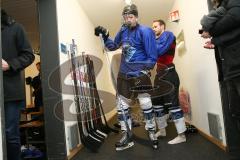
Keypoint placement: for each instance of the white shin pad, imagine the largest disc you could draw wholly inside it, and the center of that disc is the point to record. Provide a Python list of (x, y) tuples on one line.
[(180, 125)]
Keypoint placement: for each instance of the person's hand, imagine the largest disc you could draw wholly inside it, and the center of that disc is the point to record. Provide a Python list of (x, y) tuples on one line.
[(103, 31), (5, 65), (209, 45), (205, 34)]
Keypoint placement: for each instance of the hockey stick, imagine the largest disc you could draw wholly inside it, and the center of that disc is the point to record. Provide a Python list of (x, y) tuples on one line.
[(114, 81), (87, 141), (86, 102), (99, 109), (87, 117), (92, 91), (84, 109)]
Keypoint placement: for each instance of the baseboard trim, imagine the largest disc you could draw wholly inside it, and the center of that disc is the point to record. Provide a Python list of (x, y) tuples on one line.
[(212, 139), (74, 151)]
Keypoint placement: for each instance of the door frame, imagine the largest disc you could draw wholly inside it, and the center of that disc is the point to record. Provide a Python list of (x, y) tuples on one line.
[(54, 128), (50, 60)]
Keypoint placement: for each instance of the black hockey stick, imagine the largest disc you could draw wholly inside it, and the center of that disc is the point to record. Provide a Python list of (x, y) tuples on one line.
[(97, 114), (87, 141), (92, 99), (99, 109), (83, 109), (85, 98)]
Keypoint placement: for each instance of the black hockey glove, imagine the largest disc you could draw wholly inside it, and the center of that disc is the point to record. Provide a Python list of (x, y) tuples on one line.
[(101, 30), (28, 80)]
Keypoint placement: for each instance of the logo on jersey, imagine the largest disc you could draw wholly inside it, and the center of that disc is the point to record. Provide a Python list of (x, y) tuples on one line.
[(128, 51)]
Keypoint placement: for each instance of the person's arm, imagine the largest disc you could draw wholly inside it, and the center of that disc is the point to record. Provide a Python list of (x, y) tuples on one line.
[(108, 42), (25, 53), (114, 45), (229, 21), (208, 21), (150, 48), (222, 39), (164, 42)]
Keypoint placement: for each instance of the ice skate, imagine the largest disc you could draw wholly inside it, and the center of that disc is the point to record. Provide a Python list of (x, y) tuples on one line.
[(153, 139), (125, 142), (178, 139)]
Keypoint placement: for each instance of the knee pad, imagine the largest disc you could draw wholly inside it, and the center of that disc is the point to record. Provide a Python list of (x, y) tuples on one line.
[(146, 105), (122, 103), (145, 100)]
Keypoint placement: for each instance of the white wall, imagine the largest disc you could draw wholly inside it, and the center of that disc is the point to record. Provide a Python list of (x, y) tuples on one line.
[(197, 67), (73, 23)]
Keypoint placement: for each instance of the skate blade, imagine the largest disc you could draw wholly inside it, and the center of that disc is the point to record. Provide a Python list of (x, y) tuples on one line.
[(126, 147)]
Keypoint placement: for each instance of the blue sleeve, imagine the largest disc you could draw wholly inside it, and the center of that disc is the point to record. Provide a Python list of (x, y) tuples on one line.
[(114, 45), (164, 42), (150, 48)]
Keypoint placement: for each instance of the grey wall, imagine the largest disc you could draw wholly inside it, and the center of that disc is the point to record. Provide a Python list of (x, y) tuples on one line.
[(54, 128)]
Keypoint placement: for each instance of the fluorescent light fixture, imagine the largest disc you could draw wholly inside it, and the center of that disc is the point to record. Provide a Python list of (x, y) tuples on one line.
[(128, 2)]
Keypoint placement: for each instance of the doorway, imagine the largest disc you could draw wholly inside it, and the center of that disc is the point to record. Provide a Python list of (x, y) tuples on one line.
[(39, 20)]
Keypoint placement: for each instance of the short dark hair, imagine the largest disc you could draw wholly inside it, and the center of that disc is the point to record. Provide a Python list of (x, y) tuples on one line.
[(161, 22), (6, 19)]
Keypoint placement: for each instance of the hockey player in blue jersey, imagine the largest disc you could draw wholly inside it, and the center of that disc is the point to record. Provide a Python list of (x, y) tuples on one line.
[(139, 55)]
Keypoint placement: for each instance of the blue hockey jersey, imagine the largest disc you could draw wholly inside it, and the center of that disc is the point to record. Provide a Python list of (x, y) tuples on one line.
[(138, 49), (164, 42)]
